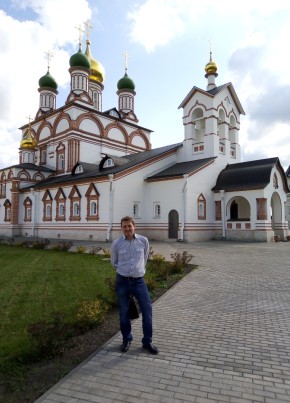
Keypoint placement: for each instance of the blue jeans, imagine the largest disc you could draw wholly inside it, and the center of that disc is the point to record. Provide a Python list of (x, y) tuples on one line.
[(137, 287)]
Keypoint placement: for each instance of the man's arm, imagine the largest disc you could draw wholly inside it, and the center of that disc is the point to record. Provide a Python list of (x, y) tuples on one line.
[(114, 255), (146, 249)]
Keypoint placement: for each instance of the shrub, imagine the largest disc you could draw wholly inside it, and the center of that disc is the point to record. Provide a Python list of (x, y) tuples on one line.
[(50, 338), (62, 246), (91, 313), (106, 253), (151, 253), (95, 250), (24, 244), (180, 260), (158, 267), (111, 283), (40, 244), (151, 284), (81, 249)]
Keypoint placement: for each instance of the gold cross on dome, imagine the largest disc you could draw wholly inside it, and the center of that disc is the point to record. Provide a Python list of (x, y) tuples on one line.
[(88, 27), (81, 31), (210, 49), (125, 54), (49, 55), (29, 119)]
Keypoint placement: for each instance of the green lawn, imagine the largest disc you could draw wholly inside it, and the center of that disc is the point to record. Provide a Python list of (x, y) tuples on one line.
[(35, 284)]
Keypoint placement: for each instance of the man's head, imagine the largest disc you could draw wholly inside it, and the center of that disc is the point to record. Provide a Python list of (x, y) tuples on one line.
[(128, 227)]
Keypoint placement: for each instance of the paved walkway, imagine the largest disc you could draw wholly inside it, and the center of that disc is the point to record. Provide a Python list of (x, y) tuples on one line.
[(223, 333)]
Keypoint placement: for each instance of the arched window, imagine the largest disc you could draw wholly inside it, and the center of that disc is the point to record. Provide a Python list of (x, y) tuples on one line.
[(60, 157), (61, 162), (48, 211), (275, 181), (93, 208), (47, 206), (61, 210), (198, 121), (201, 207), (136, 210), (157, 210), (27, 209), (75, 204), (108, 163), (7, 206), (92, 196), (76, 209), (60, 199)]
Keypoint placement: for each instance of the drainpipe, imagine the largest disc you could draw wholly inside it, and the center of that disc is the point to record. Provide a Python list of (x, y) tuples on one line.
[(34, 215), (111, 204), (223, 207), (183, 206)]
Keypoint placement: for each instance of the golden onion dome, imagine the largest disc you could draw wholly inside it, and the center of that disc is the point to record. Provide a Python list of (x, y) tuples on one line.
[(211, 67), (97, 70), (28, 140)]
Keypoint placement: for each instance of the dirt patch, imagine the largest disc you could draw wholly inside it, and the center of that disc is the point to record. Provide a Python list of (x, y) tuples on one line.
[(41, 376)]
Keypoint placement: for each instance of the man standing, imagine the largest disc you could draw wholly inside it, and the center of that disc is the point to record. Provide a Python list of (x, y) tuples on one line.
[(129, 255)]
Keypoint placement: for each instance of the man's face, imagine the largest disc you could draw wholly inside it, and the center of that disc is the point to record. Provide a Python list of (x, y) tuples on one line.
[(128, 229)]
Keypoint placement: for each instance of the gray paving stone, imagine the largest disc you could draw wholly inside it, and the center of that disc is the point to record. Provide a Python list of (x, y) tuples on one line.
[(223, 334)]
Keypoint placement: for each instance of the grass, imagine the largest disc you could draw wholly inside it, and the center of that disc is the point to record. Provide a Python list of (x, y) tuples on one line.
[(47, 287), (37, 284)]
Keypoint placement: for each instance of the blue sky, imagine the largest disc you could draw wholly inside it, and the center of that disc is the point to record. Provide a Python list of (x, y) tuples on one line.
[(168, 46)]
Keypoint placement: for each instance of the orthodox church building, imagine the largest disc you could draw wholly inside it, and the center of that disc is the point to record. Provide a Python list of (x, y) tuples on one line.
[(81, 168)]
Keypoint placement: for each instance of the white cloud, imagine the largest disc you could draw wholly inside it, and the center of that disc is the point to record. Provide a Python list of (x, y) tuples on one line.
[(156, 22), (23, 61)]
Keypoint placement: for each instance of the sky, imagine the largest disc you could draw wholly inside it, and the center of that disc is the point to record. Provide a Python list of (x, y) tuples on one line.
[(168, 43)]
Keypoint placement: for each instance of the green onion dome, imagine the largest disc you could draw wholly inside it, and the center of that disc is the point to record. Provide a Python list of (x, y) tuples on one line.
[(126, 83), (47, 81), (79, 59)]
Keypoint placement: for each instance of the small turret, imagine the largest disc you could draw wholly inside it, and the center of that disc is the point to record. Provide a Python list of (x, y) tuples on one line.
[(126, 93), (211, 73)]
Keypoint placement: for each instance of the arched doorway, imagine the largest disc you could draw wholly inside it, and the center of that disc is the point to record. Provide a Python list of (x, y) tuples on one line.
[(238, 209), (234, 210), (173, 224), (276, 207)]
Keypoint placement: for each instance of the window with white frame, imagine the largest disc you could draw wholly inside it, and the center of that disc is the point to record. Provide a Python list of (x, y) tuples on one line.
[(48, 211), (157, 210), (7, 206), (28, 214), (61, 210), (79, 169), (76, 209), (201, 207), (93, 209), (108, 163), (61, 162), (92, 197), (136, 210)]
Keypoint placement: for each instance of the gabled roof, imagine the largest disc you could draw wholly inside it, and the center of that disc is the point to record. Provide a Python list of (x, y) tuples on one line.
[(130, 162), (211, 93), (181, 168), (249, 175), (33, 167)]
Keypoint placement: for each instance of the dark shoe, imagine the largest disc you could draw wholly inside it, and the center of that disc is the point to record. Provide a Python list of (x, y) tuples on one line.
[(125, 346), (151, 348)]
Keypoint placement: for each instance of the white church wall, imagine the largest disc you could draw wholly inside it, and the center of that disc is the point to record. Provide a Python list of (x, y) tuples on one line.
[(88, 125)]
